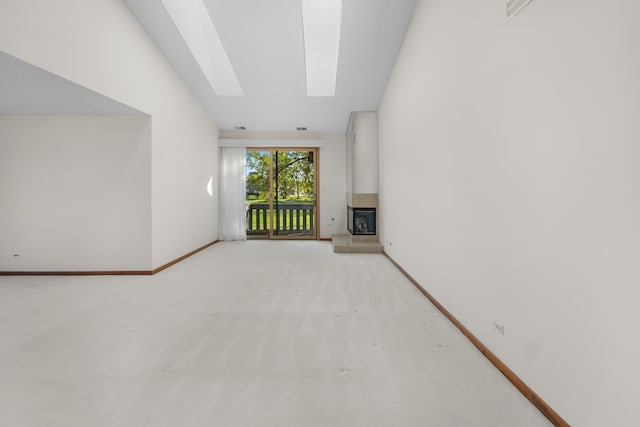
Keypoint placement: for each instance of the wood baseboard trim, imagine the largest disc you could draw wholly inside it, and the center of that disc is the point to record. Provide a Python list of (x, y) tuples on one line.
[(182, 258), (325, 239), (108, 273), (78, 273), (536, 400)]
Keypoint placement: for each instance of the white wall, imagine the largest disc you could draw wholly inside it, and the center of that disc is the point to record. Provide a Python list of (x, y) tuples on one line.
[(99, 45), (364, 152), (75, 193), (333, 190), (510, 188), (349, 138), (332, 175)]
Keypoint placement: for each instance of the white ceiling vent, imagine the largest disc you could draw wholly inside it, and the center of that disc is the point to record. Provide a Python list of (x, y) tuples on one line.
[(515, 6)]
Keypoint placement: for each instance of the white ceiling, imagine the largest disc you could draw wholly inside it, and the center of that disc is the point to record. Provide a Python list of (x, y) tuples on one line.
[(263, 39), (26, 89)]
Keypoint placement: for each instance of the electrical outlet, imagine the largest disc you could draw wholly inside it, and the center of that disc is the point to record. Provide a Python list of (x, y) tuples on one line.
[(498, 328), (16, 255)]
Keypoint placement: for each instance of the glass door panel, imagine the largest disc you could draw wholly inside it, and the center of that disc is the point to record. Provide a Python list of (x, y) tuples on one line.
[(294, 193), (258, 197)]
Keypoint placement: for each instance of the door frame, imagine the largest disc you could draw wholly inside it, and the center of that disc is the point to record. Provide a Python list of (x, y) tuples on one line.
[(316, 193)]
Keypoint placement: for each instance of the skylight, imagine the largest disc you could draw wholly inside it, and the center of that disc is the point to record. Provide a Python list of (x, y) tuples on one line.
[(193, 21), (321, 21)]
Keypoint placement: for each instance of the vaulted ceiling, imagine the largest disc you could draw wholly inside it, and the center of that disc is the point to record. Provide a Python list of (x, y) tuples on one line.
[(27, 89), (264, 42)]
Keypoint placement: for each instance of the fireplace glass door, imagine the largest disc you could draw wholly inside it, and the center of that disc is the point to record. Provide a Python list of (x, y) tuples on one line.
[(362, 221)]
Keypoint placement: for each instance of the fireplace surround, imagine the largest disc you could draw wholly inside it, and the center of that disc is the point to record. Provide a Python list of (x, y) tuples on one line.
[(361, 234), (362, 225)]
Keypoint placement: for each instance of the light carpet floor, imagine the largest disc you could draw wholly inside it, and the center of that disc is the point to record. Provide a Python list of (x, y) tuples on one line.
[(258, 333)]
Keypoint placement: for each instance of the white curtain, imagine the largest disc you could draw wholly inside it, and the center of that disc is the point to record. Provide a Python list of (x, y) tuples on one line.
[(232, 194)]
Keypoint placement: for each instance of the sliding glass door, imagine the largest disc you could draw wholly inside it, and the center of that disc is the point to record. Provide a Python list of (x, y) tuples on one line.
[(281, 193)]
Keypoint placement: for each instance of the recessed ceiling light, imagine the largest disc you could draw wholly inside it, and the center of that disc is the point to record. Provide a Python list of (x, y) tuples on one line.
[(194, 24), (321, 21), (301, 128), (241, 128)]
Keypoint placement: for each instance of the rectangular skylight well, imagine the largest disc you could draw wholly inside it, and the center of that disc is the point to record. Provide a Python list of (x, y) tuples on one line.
[(321, 22), (515, 6), (193, 21)]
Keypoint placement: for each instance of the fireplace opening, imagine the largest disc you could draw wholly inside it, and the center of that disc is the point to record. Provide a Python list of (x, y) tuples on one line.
[(362, 221)]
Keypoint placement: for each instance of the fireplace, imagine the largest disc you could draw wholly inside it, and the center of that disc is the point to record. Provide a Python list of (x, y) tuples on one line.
[(361, 221)]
